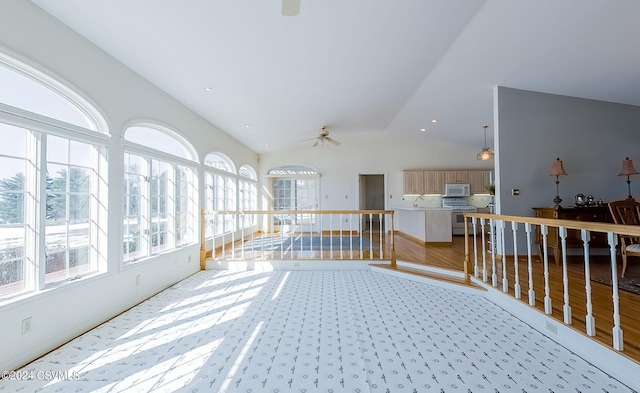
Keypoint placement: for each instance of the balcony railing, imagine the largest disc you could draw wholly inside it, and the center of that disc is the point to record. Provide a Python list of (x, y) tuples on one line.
[(297, 234), (502, 251)]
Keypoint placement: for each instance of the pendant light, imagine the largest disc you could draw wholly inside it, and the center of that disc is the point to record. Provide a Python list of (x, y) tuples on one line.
[(485, 153)]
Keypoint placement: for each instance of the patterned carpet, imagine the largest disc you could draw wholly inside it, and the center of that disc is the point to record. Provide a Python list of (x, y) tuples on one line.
[(313, 331)]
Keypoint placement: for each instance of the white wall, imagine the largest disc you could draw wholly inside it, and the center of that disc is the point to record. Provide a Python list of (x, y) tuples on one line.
[(340, 166), (60, 314)]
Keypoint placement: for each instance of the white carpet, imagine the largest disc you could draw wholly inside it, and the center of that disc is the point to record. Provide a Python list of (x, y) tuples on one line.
[(312, 331)]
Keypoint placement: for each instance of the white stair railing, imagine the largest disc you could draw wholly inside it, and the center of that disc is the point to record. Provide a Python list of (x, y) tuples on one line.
[(494, 226), (319, 234)]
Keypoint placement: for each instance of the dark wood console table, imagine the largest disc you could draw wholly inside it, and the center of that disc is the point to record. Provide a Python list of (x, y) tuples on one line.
[(590, 213)]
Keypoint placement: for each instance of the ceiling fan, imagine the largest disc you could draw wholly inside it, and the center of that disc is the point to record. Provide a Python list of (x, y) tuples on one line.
[(323, 137), (290, 7)]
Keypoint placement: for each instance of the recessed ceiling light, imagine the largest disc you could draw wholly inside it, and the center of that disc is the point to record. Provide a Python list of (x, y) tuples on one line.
[(434, 120), (208, 89), (247, 125), (423, 129)]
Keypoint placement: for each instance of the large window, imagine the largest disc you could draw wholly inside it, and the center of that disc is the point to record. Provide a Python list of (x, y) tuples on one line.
[(53, 188), (71, 198), (160, 201), (247, 194), (294, 188), (221, 193)]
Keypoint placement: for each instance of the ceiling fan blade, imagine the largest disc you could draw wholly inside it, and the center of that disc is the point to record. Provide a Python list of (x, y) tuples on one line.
[(335, 142), (290, 7), (315, 143)]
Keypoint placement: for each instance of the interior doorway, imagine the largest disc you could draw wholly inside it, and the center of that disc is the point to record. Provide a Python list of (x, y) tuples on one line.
[(372, 194)]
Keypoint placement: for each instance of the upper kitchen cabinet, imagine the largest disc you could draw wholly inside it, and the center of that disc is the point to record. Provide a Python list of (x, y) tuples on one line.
[(479, 181), (418, 182), (413, 182), (453, 177), (433, 182)]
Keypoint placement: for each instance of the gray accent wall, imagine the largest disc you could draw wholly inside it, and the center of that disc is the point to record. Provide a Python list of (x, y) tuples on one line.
[(591, 137)]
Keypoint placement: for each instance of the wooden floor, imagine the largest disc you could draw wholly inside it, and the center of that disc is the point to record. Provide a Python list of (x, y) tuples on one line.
[(451, 256)]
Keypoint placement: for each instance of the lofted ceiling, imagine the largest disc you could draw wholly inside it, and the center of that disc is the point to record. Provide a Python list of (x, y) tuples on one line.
[(364, 67)]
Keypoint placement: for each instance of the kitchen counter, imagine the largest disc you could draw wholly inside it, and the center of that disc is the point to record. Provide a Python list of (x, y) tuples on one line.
[(425, 224)]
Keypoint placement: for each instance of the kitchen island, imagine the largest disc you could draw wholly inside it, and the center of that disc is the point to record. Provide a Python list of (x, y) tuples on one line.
[(424, 224)]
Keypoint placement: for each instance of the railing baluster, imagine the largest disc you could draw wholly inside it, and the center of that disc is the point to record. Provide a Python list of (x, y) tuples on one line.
[(381, 233), (233, 238), (484, 251), (321, 236), (516, 285), (566, 308), (331, 236), (618, 342), (475, 247), (360, 230), (532, 293), (224, 250), (547, 298), (589, 319), (370, 235), (505, 280), (494, 275), (350, 235), (340, 237), (241, 236)]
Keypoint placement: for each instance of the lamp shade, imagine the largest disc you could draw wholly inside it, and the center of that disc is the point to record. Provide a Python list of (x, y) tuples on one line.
[(627, 168), (557, 169), (485, 154)]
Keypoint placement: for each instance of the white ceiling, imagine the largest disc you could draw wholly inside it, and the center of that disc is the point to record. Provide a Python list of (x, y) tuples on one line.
[(364, 66)]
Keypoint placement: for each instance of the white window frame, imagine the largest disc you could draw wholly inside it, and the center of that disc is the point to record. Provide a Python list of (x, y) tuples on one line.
[(221, 185), (180, 231), (38, 127), (295, 173)]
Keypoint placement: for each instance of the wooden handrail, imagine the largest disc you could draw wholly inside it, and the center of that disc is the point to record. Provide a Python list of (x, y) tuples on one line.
[(631, 230)]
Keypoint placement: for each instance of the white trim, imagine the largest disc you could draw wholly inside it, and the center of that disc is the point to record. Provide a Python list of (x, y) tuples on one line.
[(169, 131), (36, 122), (56, 84)]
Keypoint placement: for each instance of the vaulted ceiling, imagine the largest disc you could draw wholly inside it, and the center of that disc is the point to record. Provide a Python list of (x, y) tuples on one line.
[(363, 67)]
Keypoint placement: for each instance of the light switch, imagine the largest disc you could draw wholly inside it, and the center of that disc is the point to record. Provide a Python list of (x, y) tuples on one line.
[(515, 191)]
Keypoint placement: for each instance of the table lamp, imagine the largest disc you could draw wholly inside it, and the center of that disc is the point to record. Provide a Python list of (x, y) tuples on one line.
[(557, 170)]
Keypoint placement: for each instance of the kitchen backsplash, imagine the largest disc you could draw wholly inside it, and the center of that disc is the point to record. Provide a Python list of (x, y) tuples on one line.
[(478, 200)]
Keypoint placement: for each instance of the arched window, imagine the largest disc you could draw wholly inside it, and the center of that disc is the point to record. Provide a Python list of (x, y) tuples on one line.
[(160, 192), (51, 136), (221, 184), (247, 188), (29, 89)]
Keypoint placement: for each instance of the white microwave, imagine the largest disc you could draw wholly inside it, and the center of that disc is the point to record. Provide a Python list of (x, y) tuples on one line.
[(457, 190)]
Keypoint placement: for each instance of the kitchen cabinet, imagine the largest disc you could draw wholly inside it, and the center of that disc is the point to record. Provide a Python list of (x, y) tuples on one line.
[(418, 182), (479, 181), (456, 177), (433, 182), (413, 182), (439, 182), (429, 182)]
